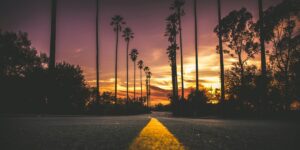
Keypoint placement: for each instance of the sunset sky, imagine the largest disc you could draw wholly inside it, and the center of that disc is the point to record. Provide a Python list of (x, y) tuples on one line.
[(76, 37)]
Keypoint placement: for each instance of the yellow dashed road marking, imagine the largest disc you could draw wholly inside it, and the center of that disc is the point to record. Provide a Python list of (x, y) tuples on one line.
[(155, 136)]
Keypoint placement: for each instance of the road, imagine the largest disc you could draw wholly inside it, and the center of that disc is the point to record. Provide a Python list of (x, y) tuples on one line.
[(155, 131)]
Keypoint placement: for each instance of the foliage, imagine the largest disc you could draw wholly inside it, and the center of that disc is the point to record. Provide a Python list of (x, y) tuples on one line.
[(106, 106), (128, 34), (134, 54), (28, 86), (283, 33), (67, 90), (161, 107), (171, 32), (195, 105), (117, 22)]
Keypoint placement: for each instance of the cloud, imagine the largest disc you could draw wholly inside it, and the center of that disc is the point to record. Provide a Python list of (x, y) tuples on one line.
[(79, 50)]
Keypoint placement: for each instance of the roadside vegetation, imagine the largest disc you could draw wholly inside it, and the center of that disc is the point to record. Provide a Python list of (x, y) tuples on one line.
[(246, 88)]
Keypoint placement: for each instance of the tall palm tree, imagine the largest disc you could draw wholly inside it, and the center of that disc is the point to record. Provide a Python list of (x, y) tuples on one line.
[(262, 39), (263, 52), (178, 7), (221, 54), (116, 22), (149, 85), (134, 54), (53, 34), (128, 35), (196, 44), (171, 33), (147, 70), (141, 66), (97, 49)]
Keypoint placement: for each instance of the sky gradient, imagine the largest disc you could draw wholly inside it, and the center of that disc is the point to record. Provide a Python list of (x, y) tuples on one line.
[(76, 38)]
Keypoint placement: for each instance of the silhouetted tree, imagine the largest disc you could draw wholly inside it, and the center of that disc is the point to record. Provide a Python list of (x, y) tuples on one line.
[(280, 29), (128, 35), (147, 70), (117, 22), (171, 33), (196, 44), (220, 48), (149, 75), (97, 50), (263, 80), (234, 88), (23, 74), (141, 66), (177, 6), (196, 103), (148, 83), (53, 34), (133, 55), (19, 64), (238, 33), (69, 93)]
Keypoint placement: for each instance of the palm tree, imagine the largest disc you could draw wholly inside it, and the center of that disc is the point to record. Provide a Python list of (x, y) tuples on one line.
[(53, 35), (116, 22), (263, 52), (171, 33), (149, 85), (134, 54), (221, 54), (141, 66), (262, 39), (97, 50), (196, 44), (147, 70), (177, 6), (128, 35)]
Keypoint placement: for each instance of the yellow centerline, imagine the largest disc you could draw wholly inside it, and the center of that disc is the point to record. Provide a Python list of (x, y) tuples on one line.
[(155, 136)]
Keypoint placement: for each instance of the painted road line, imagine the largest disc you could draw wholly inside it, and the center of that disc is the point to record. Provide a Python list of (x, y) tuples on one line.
[(155, 136)]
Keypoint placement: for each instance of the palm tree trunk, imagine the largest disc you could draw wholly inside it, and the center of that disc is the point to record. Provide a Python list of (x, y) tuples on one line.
[(97, 50), (149, 92), (175, 75), (141, 78), (196, 44), (181, 55), (134, 81), (53, 35), (173, 80), (263, 55), (221, 54), (147, 98), (262, 40), (116, 64), (127, 47)]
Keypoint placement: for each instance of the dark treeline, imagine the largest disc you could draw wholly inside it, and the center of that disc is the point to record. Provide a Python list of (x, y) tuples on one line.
[(247, 89), (29, 86)]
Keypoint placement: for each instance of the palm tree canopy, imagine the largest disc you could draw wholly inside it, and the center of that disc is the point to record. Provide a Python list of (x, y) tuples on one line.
[(134, 54), (177, 4), (146, 69), (116, 22), (149, 74), (140, 64), (172, 27), (128, 34), (171, 51)]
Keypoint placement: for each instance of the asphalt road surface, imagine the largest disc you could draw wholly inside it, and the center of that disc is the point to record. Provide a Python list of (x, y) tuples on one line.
[(155, 131)]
